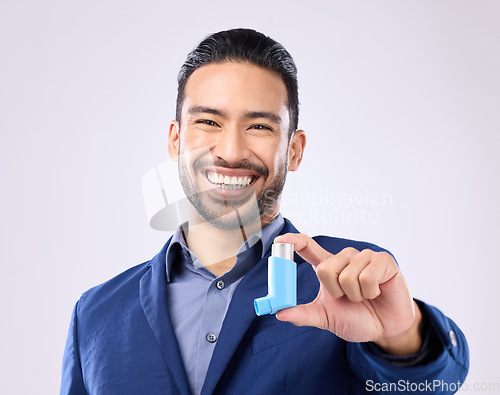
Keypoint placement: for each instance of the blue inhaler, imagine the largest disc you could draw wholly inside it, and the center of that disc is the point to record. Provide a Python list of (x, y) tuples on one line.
[(281, 279)]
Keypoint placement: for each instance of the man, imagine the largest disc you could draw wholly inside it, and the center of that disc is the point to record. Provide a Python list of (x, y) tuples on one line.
[(184, 322)]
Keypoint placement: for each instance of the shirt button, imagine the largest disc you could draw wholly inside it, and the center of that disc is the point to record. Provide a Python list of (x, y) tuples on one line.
[(220, 284), (453, 338), (212, 338), (185, 253)]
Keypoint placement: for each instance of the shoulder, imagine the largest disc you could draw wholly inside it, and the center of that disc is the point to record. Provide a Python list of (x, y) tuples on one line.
[(118, 290), (122, 280)]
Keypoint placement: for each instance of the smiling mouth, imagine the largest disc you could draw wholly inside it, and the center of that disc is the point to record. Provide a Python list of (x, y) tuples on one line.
[(229, 182)]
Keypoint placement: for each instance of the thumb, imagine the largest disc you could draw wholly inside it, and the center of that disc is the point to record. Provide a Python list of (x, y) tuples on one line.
[(301, 315)]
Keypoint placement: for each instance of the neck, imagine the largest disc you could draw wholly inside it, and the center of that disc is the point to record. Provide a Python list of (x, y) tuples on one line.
[(216, 248)]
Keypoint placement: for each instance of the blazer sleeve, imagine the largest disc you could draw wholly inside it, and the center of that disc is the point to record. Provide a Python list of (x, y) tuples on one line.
[(443, 375), (72, 378)]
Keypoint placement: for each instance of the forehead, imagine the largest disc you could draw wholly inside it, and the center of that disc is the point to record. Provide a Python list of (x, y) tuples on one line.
[(236, 87)]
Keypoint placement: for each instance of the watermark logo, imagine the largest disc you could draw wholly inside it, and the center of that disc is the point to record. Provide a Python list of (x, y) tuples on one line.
[(167, 206), (433, 386), (324, 207)]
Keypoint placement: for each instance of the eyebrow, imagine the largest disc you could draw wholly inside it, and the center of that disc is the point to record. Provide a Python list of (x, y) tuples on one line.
[(249, 115), (205, 110), (263, 114)]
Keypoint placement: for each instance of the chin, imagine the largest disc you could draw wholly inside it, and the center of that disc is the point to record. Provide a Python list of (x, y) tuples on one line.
[(235, 219)]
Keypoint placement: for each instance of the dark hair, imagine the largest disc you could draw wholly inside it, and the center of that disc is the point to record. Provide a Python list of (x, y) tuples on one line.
[(244, 45)]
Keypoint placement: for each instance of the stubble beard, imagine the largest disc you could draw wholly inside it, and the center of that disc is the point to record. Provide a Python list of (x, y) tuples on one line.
[(266, 200)]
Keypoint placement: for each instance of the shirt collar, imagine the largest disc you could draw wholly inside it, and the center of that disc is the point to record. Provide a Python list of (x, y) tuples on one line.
[(266, 236)]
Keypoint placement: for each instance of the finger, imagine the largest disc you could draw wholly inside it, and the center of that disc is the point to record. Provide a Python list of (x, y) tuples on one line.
[(382, 268), (306, 247), (303, 315), (349, 277), (329, 271)]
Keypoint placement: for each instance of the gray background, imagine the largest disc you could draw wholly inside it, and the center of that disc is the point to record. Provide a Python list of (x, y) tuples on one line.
[(399, 98)]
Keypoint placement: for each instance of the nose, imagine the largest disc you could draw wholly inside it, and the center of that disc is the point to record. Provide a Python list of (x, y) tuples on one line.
[(232, 145)]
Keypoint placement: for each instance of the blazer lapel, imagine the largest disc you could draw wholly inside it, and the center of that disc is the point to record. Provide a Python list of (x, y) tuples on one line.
[(154, 303), (239, 317)]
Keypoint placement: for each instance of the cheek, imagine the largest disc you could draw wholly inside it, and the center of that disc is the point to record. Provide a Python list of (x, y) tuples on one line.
[(194, 138), (190, 140), (192, 143), (191, 158), (188, 155), (277, 156)]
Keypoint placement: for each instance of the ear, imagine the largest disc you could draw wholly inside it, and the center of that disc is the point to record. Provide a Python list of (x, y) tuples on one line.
[(173, 140), (296, 150)]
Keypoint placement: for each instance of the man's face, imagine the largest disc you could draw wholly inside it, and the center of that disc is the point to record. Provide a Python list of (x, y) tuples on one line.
[(232, 144)]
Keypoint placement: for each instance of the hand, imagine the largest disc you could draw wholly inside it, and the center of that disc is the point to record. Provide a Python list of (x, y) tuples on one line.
[(362, 297)]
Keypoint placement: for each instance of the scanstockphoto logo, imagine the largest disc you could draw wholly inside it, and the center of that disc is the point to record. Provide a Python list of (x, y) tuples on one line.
[(434, 386), (326, 207)]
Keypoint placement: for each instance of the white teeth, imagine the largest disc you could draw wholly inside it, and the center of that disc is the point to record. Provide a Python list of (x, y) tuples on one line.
[(228, 182)]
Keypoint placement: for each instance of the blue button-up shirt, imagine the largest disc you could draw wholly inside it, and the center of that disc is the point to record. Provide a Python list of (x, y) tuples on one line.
[(198, 300)]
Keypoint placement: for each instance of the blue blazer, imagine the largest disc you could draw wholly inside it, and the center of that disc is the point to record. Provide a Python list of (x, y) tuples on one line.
[(121, 341)]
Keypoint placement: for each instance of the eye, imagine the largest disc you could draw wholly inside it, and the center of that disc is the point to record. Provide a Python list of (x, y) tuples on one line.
[(207, 122), (261, 127)]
